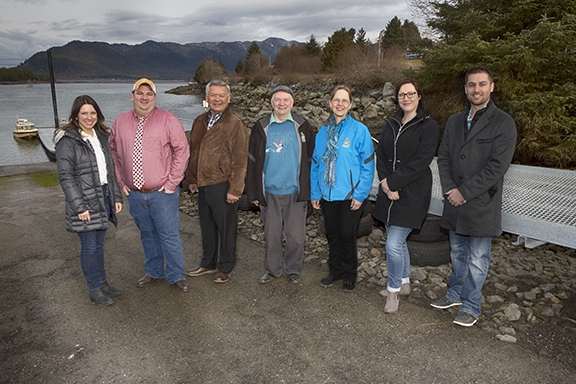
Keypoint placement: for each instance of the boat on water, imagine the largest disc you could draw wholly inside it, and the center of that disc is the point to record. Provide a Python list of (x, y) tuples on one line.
[(25, 129)]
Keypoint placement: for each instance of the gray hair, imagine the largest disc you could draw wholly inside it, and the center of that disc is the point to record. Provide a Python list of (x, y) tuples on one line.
[(217, 83)]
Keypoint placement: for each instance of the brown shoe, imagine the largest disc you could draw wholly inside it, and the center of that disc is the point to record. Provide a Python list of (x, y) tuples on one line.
[(199, 271), (182, 286), (145, 281), (221, 277)]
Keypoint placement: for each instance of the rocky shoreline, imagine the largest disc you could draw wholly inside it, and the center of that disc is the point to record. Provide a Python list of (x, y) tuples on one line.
[(311, 101)]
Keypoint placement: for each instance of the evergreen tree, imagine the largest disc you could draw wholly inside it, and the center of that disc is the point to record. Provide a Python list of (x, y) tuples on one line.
[(253, 49), (411, 33), (394, 34), (361, 39), (239, 67), (530, 46), (339, 40), (255, 61), (312, 48)]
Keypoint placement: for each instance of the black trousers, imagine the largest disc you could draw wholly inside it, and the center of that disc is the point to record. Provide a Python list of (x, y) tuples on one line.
[(341, 227), (218, 223)]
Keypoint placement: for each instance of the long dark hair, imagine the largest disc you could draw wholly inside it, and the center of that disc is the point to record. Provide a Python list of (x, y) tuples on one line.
[(421, 103), (76, 105)]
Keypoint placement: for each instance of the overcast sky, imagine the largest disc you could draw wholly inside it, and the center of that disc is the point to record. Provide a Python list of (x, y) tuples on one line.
[(30, 26)]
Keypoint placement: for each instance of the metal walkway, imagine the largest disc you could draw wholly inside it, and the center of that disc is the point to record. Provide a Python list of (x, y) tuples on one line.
[(538, 204)]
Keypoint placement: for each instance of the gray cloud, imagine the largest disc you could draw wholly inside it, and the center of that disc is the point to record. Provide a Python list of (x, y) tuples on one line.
[(181, 21)]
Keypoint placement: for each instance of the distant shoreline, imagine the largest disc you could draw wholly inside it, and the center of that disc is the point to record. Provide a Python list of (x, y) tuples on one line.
[(107, 81)]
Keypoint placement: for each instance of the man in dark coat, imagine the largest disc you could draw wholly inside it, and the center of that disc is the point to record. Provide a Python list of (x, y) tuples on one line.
[(278, 181), (475, 153)]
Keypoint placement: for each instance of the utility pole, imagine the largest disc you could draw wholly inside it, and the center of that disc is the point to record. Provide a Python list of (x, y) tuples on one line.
[(380, 35)]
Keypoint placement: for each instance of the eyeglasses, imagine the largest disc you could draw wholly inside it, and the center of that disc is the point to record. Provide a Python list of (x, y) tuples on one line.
[(343, 102), (410, 95)]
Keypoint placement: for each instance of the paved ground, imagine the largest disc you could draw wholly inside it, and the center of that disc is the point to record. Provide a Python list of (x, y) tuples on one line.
[(240, 332)]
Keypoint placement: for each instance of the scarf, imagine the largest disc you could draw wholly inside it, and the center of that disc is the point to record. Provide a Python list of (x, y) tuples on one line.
[(331, 152)]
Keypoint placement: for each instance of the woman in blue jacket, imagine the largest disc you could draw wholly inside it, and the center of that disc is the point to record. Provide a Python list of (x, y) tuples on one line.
[(341, 178), (407, 145), (93, 197)]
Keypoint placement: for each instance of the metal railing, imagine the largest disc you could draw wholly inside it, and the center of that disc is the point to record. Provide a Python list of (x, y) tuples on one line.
[(538, 204)]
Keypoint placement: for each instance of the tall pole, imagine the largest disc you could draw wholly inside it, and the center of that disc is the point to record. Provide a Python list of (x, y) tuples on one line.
[(380, 35), (53, 89)]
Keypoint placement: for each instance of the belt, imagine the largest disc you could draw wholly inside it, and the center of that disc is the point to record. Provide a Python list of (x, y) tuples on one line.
[(146, 190)]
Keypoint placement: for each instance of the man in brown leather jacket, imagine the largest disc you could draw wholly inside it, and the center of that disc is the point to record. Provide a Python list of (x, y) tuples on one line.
[(217, 168)]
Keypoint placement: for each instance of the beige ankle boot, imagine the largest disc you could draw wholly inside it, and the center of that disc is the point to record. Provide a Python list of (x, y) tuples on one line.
[(403, 294), (391, 303)]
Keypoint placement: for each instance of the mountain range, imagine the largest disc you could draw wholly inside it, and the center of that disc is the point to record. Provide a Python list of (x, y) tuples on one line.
[(83, 60)]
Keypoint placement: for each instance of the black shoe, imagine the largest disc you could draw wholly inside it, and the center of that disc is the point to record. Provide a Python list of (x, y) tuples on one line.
[(348, 286), (465, 319), (100, 298), (328, 281), (294, 278), (445, 303), (109, 290), (267, 277)]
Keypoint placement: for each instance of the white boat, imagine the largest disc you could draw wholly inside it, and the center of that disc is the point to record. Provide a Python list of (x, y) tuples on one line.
[(25, 129)]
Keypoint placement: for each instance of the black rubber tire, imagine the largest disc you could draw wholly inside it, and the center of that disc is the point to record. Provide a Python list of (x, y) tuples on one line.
[(367, 209), (364, 226), (245, 205), (430, 232), (429, 254)]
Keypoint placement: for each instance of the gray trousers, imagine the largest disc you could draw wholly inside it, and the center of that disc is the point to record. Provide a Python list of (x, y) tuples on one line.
[(284, 212)]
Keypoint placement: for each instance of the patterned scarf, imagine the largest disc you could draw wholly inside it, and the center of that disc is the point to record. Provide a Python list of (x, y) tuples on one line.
[(331, 152)]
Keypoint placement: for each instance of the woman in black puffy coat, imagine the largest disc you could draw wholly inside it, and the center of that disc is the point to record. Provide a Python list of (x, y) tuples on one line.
[(93, 197), (407, 146)]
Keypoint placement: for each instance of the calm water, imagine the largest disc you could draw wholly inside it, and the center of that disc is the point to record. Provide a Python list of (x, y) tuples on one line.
[(35, 104)]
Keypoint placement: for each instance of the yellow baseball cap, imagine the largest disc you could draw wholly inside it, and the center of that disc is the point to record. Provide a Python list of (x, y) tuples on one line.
[(144, 81)]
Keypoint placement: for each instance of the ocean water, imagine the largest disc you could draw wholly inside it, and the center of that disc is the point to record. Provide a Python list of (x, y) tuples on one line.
[(35, 104)]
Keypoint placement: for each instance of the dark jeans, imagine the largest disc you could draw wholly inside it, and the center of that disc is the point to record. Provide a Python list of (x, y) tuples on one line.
[(219, 223), (92, 251), (341, 227)]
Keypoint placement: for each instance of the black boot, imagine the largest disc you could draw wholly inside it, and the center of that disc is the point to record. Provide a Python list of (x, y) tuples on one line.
[(100, 298), (109, 290)]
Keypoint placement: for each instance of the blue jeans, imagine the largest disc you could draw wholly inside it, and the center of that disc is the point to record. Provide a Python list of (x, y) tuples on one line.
[(92, 257), (158, 219), (397, 257), (470, 262), (92, 251)]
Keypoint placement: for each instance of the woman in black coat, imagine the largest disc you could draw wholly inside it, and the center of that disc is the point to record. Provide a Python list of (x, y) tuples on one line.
[(407, 146), (93, 197)]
